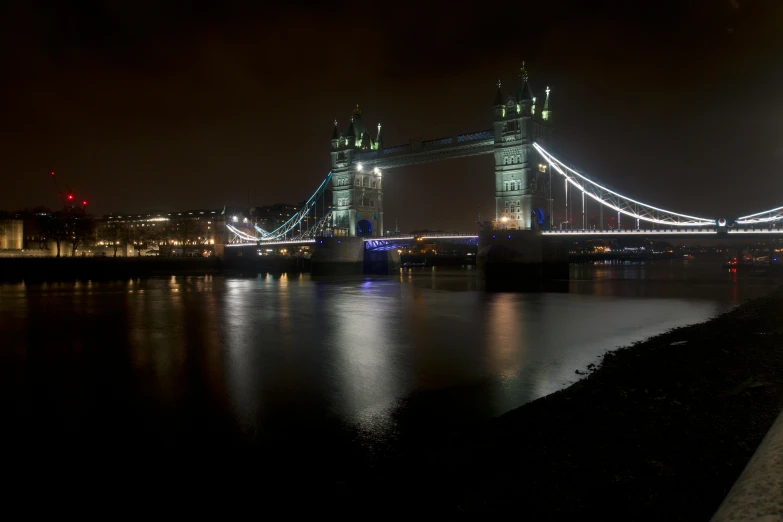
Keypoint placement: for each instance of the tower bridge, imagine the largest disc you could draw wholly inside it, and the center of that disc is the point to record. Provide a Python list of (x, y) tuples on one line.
[(525, 171), (522, 190), (525, 176)]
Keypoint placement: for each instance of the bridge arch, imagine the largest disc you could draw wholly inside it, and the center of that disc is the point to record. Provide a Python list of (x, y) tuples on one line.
[(364, 228)]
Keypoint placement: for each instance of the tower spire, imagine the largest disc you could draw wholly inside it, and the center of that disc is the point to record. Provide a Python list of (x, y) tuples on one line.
[(499, 96), (546, 113), (523, 89), (357, 128), (378, 139), (335, 132)]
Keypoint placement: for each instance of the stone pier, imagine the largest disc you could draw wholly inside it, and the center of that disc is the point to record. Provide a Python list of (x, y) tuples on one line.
[(510, 259), (342, 255)]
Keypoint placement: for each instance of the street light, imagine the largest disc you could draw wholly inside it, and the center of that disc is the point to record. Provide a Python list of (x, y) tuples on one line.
[(359, 167)]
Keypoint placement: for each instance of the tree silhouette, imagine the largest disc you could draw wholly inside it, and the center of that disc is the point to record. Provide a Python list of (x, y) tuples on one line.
[(53, 228), (78, 230), (114, 233), (138, 238)]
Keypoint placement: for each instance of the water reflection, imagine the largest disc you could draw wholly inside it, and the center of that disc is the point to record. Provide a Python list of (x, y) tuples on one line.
[(273, 360), (505, 343), (242, 381), (363, 332)]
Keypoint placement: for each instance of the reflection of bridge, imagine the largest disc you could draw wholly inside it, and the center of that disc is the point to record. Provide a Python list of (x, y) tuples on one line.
[(525, 194)]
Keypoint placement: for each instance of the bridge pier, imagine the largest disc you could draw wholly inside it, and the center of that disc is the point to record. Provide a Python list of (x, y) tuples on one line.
[(344, 255), (512, 259), (340, 255), (386, 262)]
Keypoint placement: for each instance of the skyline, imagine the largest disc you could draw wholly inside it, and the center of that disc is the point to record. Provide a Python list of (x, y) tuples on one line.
[(174, 109)]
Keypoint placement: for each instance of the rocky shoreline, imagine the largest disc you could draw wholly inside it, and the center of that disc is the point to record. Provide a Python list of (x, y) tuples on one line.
[(659, 431)]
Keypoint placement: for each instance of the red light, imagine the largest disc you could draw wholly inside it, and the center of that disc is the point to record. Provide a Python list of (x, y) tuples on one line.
[(70, 196), (52, 173), (84, 203)]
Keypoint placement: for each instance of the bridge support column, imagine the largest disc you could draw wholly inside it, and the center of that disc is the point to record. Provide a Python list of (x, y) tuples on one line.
[(337, 256), (340, 255), (520, 259), (386, 262)]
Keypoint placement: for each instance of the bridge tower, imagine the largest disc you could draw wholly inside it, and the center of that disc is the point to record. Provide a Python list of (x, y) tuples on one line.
[(522, 190), (357, 205)]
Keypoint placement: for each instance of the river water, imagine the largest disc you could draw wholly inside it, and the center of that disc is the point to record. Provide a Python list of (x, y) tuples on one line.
[(323, 374)]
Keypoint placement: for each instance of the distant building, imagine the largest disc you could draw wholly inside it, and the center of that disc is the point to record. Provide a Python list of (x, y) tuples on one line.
[(271, 217), (190, 232), (11, 234)]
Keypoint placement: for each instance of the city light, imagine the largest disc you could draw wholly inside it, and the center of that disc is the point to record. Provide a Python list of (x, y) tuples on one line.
[(377, 171), (359, 167), (234, 219)]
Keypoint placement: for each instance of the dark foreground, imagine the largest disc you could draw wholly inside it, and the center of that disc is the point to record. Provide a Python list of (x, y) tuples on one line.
[(660, 431)]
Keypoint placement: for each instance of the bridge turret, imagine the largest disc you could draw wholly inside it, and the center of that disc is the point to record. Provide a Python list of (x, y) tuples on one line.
[(350, 135), (521, 190), (499, 106), (362, 136), (357, 196), (546, 112), (524, 95), (335, 137), (366, 142)]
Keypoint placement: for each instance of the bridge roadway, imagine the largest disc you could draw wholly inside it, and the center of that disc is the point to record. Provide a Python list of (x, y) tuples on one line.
[(380, 243), (371, 243), (734, 233)]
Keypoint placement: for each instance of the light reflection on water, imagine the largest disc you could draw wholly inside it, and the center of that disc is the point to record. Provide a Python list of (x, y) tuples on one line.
[(265, 356)]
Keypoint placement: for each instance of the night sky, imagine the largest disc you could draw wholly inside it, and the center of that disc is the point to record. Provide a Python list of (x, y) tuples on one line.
[(142, 106)]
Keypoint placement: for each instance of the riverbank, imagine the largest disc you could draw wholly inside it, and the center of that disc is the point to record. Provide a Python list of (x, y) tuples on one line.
[(660, 431)]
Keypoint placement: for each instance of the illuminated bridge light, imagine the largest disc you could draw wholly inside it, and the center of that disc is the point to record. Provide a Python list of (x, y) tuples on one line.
[(767, 216), (449, 237), (616, 201)]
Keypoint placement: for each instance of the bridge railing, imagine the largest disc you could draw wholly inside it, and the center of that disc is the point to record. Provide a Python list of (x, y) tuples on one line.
[(474, 136), (635, 231), (437, 142)]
